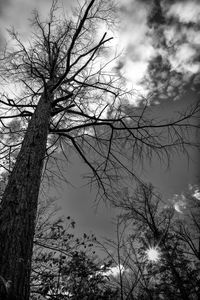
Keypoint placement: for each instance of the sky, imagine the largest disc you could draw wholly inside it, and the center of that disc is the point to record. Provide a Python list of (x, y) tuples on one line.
[(139, 46)]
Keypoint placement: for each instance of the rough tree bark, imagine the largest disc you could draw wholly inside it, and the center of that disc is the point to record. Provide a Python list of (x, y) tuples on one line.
[(19, 203)]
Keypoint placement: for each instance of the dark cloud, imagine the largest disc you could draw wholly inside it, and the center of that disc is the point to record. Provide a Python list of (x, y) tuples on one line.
[(156, 16)]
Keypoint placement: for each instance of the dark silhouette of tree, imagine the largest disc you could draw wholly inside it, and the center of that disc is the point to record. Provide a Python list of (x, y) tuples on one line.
[(188, 228), (145, 223), (65, 266), (66, 97)]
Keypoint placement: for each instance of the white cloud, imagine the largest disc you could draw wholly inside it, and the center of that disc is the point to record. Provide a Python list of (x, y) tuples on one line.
[(114, 271), (131, 38), (197, 194), (195, 190), (192, 35), (188, 12), (182, 60), (137, 46), (179, 203), (134, 71), (184, 53), (138, 43), (179, 207)]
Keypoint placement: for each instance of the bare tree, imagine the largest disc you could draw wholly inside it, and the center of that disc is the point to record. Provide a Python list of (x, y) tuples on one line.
[(69, 98), (149, 226), (188, 227)]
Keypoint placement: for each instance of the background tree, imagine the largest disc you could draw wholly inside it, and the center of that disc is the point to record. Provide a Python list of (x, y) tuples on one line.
[(65, 266), (188, 224), (69, 98), (157, 261)]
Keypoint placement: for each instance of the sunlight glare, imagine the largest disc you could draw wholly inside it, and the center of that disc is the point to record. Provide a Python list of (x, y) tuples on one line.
[(153, 254)]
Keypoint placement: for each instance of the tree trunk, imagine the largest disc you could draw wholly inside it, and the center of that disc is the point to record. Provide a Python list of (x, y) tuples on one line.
[(19, 204)]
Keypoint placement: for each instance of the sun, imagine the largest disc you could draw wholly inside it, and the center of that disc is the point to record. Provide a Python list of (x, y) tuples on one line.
[(153, 254)]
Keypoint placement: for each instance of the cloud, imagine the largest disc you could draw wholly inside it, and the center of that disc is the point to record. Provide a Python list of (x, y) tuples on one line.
[(195, 190), (139, 42), (189, 12), (183, 59), (179, 203), (134, 71), (197, 194), (179, 206), (114, 271), (136, 44), (143, 41)]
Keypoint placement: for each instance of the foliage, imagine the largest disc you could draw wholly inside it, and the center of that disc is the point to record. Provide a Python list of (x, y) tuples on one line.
[(64, 266), (146, 222)]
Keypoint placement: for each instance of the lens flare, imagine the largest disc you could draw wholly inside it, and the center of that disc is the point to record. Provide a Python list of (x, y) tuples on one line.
[(153, 254)]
